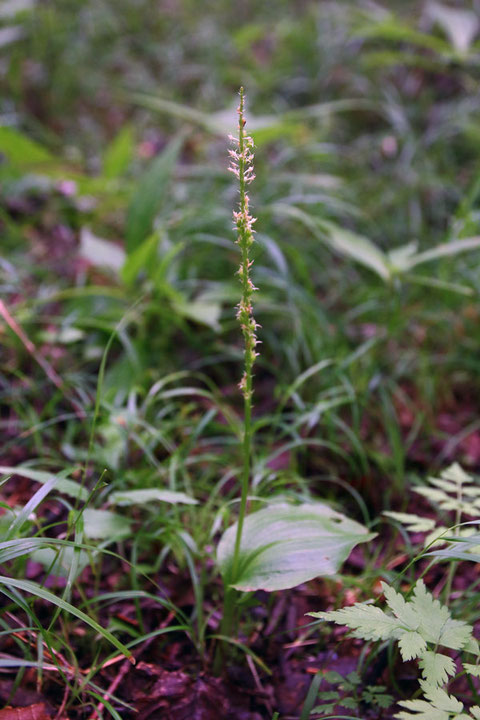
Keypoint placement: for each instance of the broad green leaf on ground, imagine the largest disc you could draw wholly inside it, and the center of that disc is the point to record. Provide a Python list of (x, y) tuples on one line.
[(150, 194), (103, 524), (206, 312), (59, 561), (285, 545), (459, 24), (148, 495), (100, 252), (63, 484)]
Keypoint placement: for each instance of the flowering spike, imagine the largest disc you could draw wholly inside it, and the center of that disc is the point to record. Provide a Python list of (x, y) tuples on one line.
[(241, 165), (241, 159)]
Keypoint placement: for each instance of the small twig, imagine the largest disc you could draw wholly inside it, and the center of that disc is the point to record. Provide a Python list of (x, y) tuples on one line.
[(49, 371), (111, 689), (124, 669), (63, 703), (258, 684)]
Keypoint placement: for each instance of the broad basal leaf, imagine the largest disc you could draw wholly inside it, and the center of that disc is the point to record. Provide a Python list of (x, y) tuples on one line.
[(203, 311), (459, 24), (103, 524), (59, 562), (285, 545), (100, 252)]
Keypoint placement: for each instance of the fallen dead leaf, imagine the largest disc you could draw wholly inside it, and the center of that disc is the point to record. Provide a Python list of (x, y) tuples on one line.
[(31, 712)]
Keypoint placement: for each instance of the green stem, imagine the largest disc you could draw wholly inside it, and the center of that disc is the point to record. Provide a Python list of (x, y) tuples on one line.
[(243, 169), (230, 593), (453, 565), (247, 441)]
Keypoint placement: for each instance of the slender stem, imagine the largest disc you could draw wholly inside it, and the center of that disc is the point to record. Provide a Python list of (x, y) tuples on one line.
[(247, 441), (453, 565), (242, 168), (230, 593)]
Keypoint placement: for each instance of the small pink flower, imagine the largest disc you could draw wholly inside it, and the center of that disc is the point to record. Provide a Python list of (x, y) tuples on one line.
[(67, 187)]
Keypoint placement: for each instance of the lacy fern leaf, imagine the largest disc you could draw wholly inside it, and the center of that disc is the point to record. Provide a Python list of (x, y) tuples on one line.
[(437, 705), (365, 621), (416, 624), (436, 667), (435, 622), (454, 491)]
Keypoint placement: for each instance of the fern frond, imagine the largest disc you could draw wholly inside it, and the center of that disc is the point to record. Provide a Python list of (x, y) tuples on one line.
[(420, 625)]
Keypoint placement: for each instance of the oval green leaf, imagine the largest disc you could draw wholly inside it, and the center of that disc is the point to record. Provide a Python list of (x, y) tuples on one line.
[(286, 545), (103, 524)]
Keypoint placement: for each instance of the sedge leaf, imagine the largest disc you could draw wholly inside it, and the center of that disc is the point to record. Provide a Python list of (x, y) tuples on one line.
[(149, 495), (38, 591), (149, 196)]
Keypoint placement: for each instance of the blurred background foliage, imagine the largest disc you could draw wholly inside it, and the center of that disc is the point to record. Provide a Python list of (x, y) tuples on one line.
[(116, 218)]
